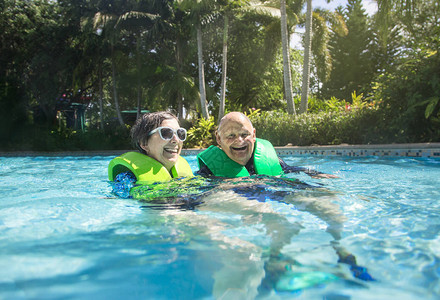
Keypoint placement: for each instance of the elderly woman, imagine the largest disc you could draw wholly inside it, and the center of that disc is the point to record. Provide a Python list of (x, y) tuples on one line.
[(159, 139)]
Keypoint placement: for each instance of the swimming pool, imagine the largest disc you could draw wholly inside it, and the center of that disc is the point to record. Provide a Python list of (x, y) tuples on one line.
[(63, 235)]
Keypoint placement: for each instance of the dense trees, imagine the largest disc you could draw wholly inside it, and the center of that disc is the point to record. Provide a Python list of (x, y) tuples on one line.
[(353, 63), (410, 86), (114, 56)]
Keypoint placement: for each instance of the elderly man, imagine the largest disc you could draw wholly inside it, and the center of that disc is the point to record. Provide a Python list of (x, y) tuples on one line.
[(241, 153)]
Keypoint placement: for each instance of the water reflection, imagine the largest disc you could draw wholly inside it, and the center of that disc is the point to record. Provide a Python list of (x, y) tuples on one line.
[(238, 215)]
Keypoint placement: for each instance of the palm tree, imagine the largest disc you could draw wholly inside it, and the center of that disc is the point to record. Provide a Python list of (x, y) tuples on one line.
[(229, 7), (286, 60), (221, 109), (279, 11), (171, 79), (113, 24), (306, 66), (203, 102), (406, 14), (100, 23), (175, 83), (93, 57), (270, 7), (320, 48), (200, 12)]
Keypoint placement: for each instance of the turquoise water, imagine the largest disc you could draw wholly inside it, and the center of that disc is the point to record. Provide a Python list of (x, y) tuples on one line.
[(63, 235)]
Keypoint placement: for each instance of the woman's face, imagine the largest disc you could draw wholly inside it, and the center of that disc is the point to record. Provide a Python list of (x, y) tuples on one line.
[(165, 152)]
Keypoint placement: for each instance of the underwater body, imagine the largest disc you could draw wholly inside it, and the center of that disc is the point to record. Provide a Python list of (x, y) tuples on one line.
[(66, 236)]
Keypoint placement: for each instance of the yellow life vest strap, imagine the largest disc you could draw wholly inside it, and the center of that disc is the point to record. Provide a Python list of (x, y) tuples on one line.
[(146, 169)]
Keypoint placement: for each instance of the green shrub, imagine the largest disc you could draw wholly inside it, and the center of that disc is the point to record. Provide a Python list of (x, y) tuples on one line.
[(316, 105), (360, 123), (202, 134), (324, 128)]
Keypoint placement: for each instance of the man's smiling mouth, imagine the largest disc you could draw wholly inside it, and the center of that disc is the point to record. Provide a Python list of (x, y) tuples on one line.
[(239, 148)]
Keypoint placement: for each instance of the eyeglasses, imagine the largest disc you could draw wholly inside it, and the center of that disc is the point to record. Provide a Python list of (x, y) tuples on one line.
[(166, 133)]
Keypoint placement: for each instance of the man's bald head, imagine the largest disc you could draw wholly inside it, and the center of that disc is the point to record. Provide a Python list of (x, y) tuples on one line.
[(236, 137), (234, 116)]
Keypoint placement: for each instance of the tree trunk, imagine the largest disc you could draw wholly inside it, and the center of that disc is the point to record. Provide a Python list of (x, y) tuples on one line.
[(179, 68), (101, 108), (115, 93), (221, 109), (138, 66), (203, 103), (286, 61), (306, 67)]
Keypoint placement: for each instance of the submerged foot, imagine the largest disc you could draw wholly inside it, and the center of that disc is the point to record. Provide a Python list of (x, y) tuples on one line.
[(281, 276), (274, 268), (357, 271)]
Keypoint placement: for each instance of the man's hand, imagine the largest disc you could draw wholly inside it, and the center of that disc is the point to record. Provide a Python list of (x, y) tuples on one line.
[(323, 175), (319, 175)]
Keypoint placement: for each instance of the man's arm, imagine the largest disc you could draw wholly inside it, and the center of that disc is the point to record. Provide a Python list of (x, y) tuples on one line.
[(312, 173), (204, 171)]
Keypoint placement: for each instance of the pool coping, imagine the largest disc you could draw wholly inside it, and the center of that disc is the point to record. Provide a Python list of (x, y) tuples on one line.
[(428, 150)]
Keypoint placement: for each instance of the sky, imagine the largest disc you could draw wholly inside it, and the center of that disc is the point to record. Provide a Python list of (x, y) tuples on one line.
[(369, 5)]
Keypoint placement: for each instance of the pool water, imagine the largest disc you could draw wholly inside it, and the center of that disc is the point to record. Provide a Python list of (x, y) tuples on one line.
[(63, 235)]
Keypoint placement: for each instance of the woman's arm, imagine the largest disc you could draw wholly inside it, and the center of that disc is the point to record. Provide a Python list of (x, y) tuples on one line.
[(123, 183)]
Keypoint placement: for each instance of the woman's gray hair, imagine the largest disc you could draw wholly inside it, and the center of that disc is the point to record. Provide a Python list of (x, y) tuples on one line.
[(145, 124)]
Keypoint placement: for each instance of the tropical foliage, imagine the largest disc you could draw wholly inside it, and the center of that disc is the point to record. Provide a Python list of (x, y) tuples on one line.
[(321, 128), (71, 70), (202, 134)]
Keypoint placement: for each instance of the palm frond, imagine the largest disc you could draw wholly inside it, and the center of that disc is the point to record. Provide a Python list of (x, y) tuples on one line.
[(134, 16), (263, 10), (101, 19)]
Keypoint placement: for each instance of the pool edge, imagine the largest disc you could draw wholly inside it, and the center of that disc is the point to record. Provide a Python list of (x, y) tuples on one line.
[(428, 150)]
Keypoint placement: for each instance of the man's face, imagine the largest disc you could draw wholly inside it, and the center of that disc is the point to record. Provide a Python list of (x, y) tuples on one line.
[(236, 137)]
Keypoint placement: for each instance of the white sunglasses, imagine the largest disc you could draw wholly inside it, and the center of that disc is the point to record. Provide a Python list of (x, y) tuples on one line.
[(166, 133)]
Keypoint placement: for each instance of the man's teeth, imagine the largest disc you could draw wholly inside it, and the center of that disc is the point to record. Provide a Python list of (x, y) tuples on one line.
[(241, 148)]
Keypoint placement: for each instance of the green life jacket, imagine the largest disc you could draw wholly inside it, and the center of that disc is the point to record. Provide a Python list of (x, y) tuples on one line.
[(146, 169), (265, 161)]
